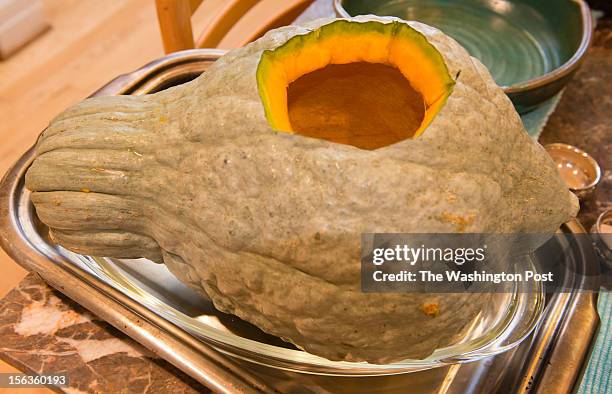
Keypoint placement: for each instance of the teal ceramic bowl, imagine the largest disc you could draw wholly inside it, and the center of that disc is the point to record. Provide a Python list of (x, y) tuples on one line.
[(531, 47)]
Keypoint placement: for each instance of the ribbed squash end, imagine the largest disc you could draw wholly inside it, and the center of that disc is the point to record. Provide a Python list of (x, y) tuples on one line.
[(392, 45)]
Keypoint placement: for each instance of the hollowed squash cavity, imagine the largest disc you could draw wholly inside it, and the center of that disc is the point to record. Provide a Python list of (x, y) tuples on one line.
[(367, 105), (366, 84)]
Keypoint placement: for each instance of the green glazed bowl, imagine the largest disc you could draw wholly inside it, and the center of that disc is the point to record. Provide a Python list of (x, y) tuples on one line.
[(531, 47)]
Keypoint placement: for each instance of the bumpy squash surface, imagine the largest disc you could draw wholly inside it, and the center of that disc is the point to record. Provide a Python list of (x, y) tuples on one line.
[(267, 222)]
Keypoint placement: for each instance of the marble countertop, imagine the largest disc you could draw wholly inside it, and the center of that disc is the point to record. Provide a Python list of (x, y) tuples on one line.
[(44, 332), (583, 118)]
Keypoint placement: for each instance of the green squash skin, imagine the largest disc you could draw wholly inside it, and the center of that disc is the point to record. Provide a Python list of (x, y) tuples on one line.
[(268, 224)]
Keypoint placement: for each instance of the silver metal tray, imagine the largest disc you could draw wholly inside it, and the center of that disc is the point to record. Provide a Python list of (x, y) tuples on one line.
[(554, 353)]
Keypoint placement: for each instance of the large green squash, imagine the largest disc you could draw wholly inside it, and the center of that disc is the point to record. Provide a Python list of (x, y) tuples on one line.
[(254, 182)]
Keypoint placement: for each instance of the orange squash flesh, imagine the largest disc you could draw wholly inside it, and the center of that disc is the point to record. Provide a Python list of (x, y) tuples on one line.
[(367, 105), (392, 45)]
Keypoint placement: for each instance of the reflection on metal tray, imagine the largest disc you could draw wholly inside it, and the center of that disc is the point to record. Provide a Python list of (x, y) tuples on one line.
[(550, 357), (507, 321)]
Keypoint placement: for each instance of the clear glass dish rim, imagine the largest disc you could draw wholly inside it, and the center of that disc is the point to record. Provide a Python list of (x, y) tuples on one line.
[(485, 345)]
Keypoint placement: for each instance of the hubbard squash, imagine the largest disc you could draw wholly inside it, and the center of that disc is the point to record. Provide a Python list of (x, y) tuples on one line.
[(256, 194)]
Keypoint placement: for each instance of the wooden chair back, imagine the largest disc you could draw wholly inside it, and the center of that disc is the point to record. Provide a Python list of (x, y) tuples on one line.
[(234, 23)]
